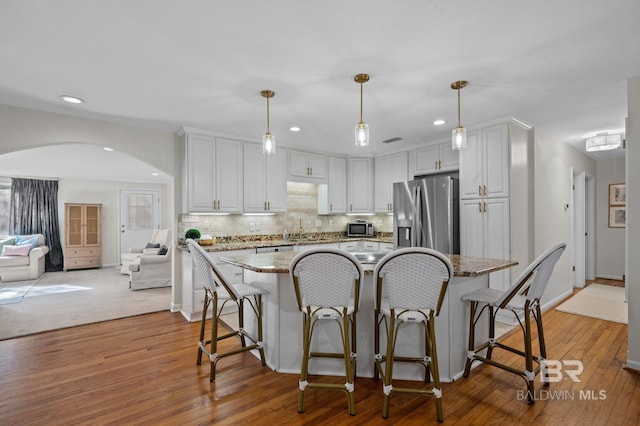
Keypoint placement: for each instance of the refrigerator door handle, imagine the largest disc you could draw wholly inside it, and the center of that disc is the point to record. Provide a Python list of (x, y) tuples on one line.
[(417, 234)]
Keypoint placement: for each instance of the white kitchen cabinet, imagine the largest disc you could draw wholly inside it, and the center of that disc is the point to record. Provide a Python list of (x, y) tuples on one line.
[(360, 186), (386, 247), (484, 232), (388, 170), (265, 180), (309, 167), (484, 164), (307, 247), (213, 174), (193, 286), (360, 246), (435, 159), (332, 196)]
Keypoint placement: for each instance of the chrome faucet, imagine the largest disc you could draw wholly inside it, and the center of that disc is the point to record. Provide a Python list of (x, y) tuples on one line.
[(300, 229)]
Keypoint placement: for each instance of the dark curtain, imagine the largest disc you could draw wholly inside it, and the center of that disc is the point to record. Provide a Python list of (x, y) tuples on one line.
[(34, 210)]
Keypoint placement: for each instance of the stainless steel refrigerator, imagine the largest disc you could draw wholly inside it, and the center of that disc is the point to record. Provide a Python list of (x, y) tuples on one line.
[(426, 214)]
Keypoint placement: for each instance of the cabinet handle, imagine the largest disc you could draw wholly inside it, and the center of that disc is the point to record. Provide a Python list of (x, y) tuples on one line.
[(350, 207), (330, 207), (436, 164), (480, 206), (439, 164), (484, 206), (268, 205), (480, 190), (484, 187), (310, 171)]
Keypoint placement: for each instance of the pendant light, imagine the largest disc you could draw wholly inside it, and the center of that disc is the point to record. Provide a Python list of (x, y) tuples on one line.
[(362, 129), (268, 140), (459, 134)]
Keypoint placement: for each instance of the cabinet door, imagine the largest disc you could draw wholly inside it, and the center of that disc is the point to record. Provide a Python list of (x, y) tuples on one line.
[(92, 226), (254, 182), (200, 173), (472, 227), (337, 187), (471, 166), (497, 239), (496, 167), (426, 160), (298, 164), (228, 175), (383, 186), (449, 157), (276, 181), (360, 191), (317, 166)]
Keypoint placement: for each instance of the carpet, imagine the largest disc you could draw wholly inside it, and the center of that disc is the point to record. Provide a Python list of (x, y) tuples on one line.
[(66, 299), (598, 301)]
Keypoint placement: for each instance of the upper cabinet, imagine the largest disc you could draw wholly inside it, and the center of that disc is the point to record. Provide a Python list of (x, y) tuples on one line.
[(213, 174), (388, 170), (434, 159), (307, 167), (332, 197), (484, 164), (265, 180), (360, 185)]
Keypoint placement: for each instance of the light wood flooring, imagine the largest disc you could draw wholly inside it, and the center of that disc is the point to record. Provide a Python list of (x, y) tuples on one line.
[(142, 370)]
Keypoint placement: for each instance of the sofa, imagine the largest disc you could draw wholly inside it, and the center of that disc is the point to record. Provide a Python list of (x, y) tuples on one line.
[(150, 266), (22, 257)]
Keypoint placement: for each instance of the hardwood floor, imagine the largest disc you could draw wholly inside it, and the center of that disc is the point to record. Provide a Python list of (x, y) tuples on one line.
[(142, 370)]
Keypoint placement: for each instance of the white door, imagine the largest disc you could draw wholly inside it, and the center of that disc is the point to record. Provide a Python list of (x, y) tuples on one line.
[(139, 216)]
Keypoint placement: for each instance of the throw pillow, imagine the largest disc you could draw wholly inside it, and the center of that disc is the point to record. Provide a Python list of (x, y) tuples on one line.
[(7, 241), (163, 250), (152, 245), (9, 250), (22, 240)]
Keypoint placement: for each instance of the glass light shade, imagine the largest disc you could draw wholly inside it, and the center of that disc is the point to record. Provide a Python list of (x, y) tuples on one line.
[(268, 144), (362, 134), (459, 138), (603, 143)]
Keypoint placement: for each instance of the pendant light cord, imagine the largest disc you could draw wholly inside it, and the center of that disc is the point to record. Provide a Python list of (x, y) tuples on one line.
[(268, 115), (361, 95)]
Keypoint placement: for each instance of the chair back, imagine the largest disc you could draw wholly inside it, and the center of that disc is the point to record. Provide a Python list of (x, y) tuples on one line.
[(209, 272), (412, 278), (326, 278), (533, 280)]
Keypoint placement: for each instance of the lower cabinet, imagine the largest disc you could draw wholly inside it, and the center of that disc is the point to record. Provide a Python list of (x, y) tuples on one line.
[(193, 287)]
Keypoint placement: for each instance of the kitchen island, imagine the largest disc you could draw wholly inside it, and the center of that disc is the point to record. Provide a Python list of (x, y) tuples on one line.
[(283, 321)]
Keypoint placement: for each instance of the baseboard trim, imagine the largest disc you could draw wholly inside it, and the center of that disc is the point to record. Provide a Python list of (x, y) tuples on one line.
[(553, 302), (634, 365), (611, 277)]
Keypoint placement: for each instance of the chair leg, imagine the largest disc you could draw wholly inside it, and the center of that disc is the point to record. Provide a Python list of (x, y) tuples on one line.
[(259, 314), (492, 330), (376, 343), (435, 372), (241, 321), (428, 350), (349, 363), (306, 334), (391, 341), (203, 321), (214, 338), (530, 376), (473, 306), (543, 347)]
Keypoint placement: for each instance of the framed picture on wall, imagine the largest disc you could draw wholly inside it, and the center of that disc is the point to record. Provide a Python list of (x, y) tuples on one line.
[(617, 216), (617, 194)]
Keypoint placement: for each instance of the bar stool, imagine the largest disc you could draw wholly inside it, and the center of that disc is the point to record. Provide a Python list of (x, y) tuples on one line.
[(327, 284), (218, 289), (410, 287), (522, 297)]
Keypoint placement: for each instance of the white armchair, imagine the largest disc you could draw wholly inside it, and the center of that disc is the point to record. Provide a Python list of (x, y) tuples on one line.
[(150, 267)]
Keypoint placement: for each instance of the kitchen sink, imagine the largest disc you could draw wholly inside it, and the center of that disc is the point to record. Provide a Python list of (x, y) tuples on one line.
[(369, 257)]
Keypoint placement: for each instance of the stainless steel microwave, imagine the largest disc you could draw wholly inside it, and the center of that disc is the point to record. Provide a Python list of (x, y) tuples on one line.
[(360, 229)]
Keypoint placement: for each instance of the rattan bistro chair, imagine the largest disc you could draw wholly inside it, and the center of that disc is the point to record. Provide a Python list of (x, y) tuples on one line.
[(218, 292), (327, 284), (522, 297), (410, 288)]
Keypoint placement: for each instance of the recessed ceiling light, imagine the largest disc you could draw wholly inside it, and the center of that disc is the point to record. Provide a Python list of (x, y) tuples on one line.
[(154, 174), (294, 129), (106, 148), (71, 99), (439, 122)]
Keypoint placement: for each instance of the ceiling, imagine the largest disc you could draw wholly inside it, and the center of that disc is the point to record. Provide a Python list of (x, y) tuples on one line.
[(559, 66)]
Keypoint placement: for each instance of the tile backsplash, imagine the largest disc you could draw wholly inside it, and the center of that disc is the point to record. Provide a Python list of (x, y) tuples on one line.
[(302, 203)]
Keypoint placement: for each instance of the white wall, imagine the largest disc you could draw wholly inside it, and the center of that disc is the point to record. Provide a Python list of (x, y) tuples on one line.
[(107, 194), (609, 241), (553, 165), (633, 226)]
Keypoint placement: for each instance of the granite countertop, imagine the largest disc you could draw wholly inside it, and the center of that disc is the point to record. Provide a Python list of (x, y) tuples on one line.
[(463, 266), (252, 244)]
